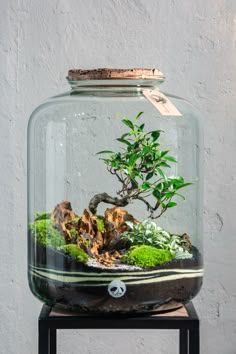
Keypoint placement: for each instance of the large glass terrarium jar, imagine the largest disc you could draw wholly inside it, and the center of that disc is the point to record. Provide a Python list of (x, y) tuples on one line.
[(114, 195)]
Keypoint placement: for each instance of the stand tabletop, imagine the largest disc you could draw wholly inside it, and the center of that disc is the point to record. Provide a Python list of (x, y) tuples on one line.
[(183, 317)]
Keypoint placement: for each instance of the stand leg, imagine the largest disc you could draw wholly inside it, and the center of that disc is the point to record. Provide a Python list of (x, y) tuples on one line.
[(194, 341), (43, 339), (183, 341), (53, 341)]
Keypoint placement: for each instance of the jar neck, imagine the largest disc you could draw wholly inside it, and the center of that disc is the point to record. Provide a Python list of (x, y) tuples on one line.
[(115, 85)]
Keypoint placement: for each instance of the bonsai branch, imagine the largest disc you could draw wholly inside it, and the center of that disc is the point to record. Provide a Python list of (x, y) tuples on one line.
[(121, 202), (106, 198), (150, 208)]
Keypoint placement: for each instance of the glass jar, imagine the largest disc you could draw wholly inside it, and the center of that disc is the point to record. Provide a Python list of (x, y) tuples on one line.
[(114, 195)]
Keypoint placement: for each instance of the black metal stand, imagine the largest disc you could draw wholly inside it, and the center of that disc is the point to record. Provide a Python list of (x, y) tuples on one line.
[(185, 320)]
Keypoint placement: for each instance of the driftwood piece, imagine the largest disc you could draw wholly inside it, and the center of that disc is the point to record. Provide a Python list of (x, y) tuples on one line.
[(105, 245), (87, 226), (61, 215), (115, 225), (187, 245), (118, 218), (108, 258), (97, 243), (87, 223)]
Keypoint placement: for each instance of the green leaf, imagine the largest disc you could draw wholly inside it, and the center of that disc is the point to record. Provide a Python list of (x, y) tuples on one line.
[(113, 164), (146, 185), (155, 134), (160, 186), (169, 195), (177, 180), (105, 160), (138, 115), (163, 153), (105, 152), (156, 194), (146, 150), (184, 185), (161, 173), (140, 128), (124, 135), (164, 164), (170, 158), (132, 159), (149, 175), (117, 156), (171, 205), (128, 123), (123, 141)]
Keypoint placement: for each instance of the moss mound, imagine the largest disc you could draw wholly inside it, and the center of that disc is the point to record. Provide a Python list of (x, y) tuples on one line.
[(46, 234), (42, 216), (146, 256), (75, 251)]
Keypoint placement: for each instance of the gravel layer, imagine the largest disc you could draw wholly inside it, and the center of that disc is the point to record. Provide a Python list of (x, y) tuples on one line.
[(92, 262)]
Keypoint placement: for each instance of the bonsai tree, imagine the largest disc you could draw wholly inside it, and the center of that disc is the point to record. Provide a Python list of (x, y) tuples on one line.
[(140, 168)]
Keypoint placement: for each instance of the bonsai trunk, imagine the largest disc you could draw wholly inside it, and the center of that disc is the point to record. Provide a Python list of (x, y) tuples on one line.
[(106, 198)]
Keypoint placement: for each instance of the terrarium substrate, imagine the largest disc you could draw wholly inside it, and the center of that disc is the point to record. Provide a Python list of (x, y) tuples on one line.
[(60, 279)]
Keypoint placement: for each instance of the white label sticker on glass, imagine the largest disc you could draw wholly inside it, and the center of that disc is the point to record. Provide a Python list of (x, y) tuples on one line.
[(161, 103), (117, 288)]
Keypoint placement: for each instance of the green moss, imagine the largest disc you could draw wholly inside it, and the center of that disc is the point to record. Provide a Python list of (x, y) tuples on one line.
[(75, 251), (100, 224), (42, 216), (146, 256), (73, 232), (45, 233)]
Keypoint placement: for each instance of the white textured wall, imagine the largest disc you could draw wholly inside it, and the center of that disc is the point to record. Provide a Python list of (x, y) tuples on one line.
[(194, 44)]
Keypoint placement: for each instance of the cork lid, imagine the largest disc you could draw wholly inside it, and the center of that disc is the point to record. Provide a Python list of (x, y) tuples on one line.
[(115, 74)]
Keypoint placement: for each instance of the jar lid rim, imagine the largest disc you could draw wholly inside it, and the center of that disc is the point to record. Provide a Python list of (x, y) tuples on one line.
[(115, 74)]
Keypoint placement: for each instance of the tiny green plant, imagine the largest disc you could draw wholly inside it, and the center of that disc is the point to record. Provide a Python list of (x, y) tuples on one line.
[(73, 233), (100, 224), (148, 233), (140, 168)]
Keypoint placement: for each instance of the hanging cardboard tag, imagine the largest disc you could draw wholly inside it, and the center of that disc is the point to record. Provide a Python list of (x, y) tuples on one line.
[(161, 103)]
